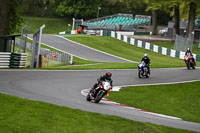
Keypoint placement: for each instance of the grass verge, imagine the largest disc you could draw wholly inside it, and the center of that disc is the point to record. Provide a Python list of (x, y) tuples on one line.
[(180, 100), (170, 44), (22, 116), (127, 51), (53, 25), (97, 65)]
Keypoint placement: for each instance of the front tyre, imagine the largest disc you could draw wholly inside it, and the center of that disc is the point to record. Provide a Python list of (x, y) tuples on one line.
[(140, 74), (188, 65), (88, 97), (99, 96)]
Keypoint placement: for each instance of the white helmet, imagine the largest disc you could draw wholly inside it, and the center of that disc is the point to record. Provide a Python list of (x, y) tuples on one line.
[(145, 55)]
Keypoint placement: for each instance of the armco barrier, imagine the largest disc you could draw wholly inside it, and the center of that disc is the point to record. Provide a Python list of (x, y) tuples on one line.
[(12, 60), (152, 47)]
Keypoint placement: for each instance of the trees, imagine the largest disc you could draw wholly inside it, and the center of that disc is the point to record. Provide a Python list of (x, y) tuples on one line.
[(188, 10), (4, 13), (4, 23), (154, 6), (76, 8), (175, 6), (192, 14), (9, 16), (10, 19)]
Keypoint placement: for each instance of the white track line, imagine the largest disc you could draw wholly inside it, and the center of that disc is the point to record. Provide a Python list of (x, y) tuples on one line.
[(179, 82), (85, 92), (96, 49)]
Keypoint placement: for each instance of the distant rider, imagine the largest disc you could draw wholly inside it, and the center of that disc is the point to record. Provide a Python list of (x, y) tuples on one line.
[(189, 53), (106, 76), (146, 61)]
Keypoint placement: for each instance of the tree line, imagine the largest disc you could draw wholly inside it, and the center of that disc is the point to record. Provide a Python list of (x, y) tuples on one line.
[(11, 10)]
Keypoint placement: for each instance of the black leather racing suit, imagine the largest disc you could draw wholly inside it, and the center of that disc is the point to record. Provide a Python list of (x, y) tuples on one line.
[(100, 79), (147, 62)]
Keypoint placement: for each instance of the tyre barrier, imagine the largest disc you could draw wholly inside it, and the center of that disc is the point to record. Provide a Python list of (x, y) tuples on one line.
[(12, 60)]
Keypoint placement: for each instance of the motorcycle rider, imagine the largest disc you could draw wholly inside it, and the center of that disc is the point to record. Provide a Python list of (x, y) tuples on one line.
[(189, 53), (146, 61), (106, 76)]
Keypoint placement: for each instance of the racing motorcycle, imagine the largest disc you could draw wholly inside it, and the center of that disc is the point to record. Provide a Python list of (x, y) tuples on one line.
[(142, 70), (98, 93), (188, 61)]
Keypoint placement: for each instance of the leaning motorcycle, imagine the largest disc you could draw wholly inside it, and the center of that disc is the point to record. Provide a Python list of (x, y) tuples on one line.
[(98, 93), (142, 70), (188, 61)]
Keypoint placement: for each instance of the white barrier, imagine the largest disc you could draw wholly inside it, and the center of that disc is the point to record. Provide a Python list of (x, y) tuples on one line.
[(4, 59)]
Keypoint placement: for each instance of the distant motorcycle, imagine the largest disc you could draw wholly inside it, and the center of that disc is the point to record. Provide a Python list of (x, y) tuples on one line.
[(189, 62), (142, 70), (98, 93)]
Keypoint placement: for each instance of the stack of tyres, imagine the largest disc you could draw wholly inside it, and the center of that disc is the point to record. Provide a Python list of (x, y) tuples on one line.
[(18, 60)]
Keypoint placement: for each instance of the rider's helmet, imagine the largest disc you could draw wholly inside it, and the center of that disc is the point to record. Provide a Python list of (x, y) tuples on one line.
[(145, 55), (108, 75), (188, 49)]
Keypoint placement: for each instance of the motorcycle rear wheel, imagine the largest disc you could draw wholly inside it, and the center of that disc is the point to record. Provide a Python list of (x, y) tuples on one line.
[(193, 67)]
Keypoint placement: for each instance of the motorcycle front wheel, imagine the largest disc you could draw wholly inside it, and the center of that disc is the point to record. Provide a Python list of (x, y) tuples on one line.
[(140, 74), (188, 65), (88, 97), (99, 96)]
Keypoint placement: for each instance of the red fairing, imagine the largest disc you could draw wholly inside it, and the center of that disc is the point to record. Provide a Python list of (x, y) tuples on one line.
[(187, 58), (100, 85)]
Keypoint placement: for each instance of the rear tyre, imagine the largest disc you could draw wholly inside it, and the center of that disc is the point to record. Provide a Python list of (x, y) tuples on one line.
[(193, 67), (99, 96)]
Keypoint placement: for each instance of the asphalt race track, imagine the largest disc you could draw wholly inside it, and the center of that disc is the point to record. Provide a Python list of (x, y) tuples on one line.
[(78, 49), (64, 88)]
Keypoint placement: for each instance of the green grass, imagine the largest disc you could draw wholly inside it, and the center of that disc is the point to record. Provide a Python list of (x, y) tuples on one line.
[(125, 48), (96, 65), (170, 44), (127, 51), (166, 44), (180, 100), (19, 115), (53, 25)]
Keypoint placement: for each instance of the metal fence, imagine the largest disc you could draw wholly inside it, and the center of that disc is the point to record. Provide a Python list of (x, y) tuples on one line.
[(35, 52), (23, 39), (50, 57), (53, 57), (182, 43)]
